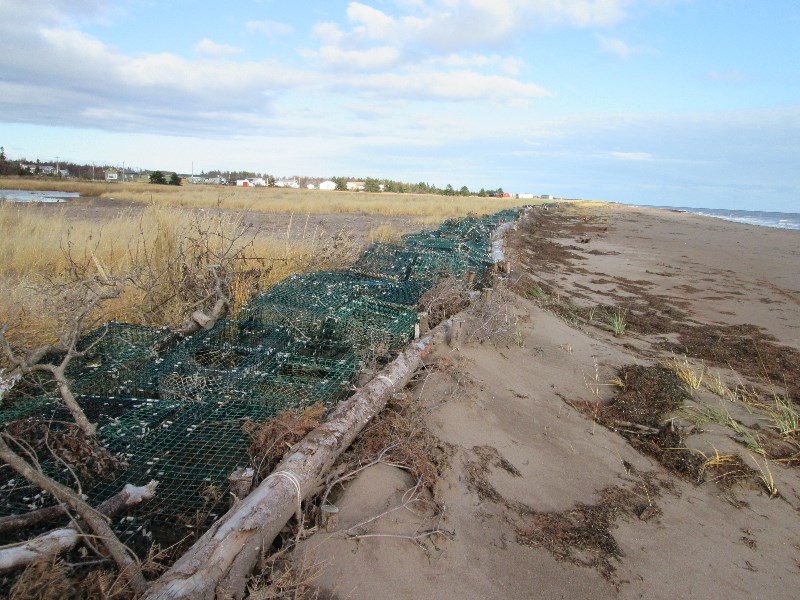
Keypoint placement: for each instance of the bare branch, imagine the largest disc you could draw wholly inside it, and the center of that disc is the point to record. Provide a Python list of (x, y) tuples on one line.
[(97, 522)]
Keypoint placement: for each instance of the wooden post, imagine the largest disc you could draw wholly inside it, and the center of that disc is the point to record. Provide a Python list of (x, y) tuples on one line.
[(329, 517), (456, 330), (486, 294), (423, 323), (469, 278), (241, 481)]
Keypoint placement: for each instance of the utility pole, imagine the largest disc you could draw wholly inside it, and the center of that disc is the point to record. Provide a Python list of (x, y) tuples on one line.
[(123, 171), (92, 171), (58, 170)]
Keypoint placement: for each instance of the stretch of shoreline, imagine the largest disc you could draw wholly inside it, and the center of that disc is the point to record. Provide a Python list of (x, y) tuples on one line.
[(540, 499)]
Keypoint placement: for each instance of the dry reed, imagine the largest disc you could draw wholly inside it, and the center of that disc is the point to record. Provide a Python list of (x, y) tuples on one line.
[(36, 247), (427, 209)]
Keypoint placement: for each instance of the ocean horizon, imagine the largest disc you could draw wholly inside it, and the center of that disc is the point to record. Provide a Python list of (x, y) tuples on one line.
[(778, 220)]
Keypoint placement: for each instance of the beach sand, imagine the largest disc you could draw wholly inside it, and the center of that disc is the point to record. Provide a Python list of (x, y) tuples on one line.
[(553, 486)]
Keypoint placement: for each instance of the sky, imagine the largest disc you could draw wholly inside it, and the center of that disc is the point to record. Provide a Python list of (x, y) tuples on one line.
[(656, 102)]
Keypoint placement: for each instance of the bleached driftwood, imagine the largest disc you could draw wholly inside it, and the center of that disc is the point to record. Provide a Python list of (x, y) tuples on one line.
[(220, 562), (61, 540)]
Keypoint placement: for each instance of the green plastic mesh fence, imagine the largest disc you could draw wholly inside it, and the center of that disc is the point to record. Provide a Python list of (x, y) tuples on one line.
[(173, 408)]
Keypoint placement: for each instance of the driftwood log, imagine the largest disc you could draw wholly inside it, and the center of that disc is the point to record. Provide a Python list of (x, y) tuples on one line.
[(220, 562), (60, 540)]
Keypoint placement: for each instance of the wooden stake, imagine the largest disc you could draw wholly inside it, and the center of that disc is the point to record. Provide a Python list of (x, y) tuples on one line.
[(329, 517), (241, 481), (456, 330), (423, 323)]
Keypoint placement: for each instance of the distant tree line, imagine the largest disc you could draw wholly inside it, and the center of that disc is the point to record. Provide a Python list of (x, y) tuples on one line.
[(82, 171), (159, 178), (398, 187)]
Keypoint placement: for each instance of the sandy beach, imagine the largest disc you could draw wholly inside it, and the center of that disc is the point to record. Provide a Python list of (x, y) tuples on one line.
[(571, 461)]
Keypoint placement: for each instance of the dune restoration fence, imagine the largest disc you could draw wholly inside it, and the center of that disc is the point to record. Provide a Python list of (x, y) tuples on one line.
[(173, 408)]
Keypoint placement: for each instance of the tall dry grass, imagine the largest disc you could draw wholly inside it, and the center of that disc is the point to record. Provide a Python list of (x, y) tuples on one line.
[(427, 209), (37, 249)]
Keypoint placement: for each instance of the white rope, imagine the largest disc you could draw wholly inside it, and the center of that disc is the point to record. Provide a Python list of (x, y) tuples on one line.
[(384, 377), (296, 483)]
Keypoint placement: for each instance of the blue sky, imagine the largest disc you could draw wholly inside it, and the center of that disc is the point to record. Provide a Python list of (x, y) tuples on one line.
[(664, 102)]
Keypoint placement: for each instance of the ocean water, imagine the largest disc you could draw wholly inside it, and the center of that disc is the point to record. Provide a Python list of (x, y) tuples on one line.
[(35, 196), (778, 220)]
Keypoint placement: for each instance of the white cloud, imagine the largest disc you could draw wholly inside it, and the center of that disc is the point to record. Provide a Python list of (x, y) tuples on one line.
[(269, 28), (637, 156), (376, 24), (328, 33), (615, 47), (79, 80), (727, 76), (456, 85), (507, 64), (420, 30), (207, 47), (371, 59)]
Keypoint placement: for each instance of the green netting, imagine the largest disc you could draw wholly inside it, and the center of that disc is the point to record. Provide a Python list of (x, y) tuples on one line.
[(406, 292), (116, 356), (368, 323), (211, 363), (434, 264), (386, 261), (173, 409), (295, 380), (20, 407)]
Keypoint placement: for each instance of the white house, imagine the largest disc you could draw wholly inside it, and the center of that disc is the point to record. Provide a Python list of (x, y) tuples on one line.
[(327, 185), (112, 175), (251, 182), (288, 183), (356, 185), (311, 186)]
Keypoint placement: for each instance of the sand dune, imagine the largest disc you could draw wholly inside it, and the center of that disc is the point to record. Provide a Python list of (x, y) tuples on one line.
[(576, 466)]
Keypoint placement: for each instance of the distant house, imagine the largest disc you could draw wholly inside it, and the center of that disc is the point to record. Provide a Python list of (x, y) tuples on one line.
[(327, 185), (112, 175), (288, 183), (251, 182), (48, 169), (525, 196), (311, 186), (356, 185), (197, 179)]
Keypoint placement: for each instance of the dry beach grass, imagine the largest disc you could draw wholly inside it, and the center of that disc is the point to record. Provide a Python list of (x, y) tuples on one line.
[(426, 209)]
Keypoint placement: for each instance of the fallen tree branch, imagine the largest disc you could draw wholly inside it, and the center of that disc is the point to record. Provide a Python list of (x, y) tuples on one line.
[(128, 566), (60, 540), (220, 562)]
